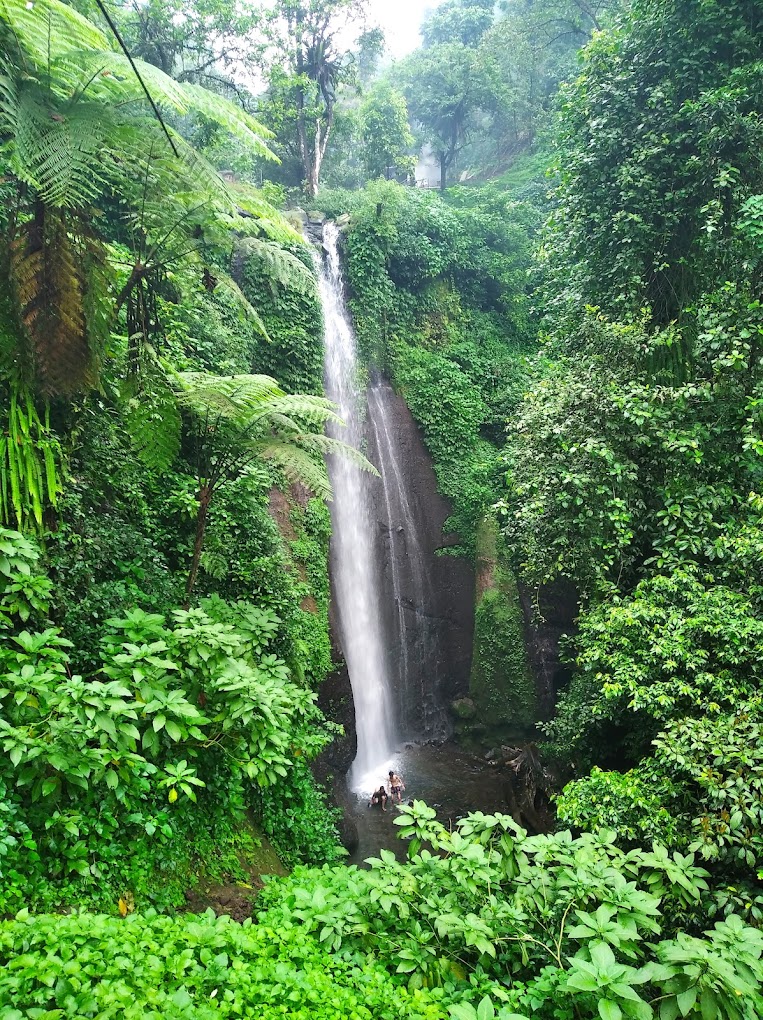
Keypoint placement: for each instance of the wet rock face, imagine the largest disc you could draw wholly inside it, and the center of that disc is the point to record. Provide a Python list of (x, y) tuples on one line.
[(549, 613), (427, 599)]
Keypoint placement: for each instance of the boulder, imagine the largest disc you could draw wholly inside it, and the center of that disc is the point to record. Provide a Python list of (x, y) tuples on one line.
[(463, 708)]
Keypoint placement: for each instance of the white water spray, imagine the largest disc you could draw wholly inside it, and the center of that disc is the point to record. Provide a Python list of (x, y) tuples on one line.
[(356, 581)]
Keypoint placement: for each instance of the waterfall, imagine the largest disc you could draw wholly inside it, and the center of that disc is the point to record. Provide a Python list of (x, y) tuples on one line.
[(354, 569)]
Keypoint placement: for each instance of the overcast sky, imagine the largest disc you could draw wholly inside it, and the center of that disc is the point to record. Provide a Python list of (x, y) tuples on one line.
[(400, 20)]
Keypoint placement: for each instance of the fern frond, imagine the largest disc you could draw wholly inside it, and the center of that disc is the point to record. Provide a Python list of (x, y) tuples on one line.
[(297, 465), (153, 423), (228, 115), (314, 410), (49, 286), (199, 171), (228, 284), (236, 398), (269, 221), (279, 266), (325, 445), (58, 151), (47, 29)]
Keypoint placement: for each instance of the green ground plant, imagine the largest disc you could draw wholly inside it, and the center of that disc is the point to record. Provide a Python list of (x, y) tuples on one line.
[(550, 926)]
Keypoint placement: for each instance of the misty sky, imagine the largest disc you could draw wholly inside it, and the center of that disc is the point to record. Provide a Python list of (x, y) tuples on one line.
[(400, 20)]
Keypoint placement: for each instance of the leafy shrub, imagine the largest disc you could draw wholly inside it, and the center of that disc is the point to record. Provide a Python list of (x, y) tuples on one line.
[(581, 927), (189, 968), (297, 819), (636, 806)]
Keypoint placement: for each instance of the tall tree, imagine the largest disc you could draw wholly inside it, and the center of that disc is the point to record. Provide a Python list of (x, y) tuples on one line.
[(201, 40), (385, 133), (658, 155), (310, 55), (446, 85), (464, 21)]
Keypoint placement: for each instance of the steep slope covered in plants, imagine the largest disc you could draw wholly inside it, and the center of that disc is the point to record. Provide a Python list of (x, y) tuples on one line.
[(161, 637)]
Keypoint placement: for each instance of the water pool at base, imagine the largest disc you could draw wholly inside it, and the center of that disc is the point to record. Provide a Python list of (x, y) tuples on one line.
[(449, 780)]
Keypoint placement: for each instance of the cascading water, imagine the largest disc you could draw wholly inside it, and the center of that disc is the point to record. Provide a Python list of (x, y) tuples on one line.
[(354, 569)]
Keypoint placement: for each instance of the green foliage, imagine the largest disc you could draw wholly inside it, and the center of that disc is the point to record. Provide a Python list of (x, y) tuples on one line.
[(284, 290), (634, 451), (297, 819), (677, 646), (31, 464), (631, 804), (657, 156), (384, 132), (717, 766), (201, 708), (24, 591), (580, 926), (502, 686), (190, 967)]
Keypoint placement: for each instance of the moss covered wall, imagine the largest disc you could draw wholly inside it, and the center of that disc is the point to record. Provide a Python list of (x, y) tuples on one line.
[(502, 701)]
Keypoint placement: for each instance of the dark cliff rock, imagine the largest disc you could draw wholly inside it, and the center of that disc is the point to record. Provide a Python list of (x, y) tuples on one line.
[(549, 612), (428, 598)]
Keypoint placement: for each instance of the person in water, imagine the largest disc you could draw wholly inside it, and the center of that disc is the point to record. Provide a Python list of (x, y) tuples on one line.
[(379, 799), (396, 786)]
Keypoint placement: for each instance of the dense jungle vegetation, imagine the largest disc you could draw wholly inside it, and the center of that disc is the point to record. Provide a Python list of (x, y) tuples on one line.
[(573, 314)]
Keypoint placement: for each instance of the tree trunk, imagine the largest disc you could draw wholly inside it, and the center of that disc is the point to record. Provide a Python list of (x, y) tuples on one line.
[(443, 171), (205, 496)]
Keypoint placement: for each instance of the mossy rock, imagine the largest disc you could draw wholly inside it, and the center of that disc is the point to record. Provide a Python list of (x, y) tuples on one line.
[(463, 708), (502, 685)]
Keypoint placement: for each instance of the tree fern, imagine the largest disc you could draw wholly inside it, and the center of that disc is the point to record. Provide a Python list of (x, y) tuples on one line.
[(47, 276), (238, 420), (152, 415), (78, 56), (280, 268), (270, 221)]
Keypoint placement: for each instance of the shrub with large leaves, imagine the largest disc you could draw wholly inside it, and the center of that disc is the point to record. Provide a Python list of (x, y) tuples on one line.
[(545, 926)]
